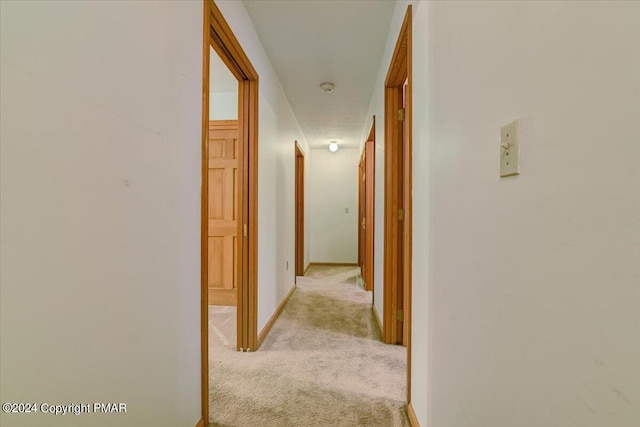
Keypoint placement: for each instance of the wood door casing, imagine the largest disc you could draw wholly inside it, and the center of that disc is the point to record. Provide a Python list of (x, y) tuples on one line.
[(404, 206), (223, 215), (397, 196), (299, 214), (369, 227), (366, 211), (405, 194), (397, 191), (366, 186), (361, 214)]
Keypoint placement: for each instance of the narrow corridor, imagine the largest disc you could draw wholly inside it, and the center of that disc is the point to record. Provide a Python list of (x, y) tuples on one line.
[(322, 364)]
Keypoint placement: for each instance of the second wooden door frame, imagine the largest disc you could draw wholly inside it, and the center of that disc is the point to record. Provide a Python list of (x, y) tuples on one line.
[(370, 202), (299, 211), (366, 203), (218, 34), (398, 224)]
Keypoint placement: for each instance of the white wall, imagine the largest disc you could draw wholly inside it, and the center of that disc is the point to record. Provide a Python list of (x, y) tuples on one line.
[(333, 187), (223, 89), (223, 105), (526, 307), (278, 129), (100, 212)]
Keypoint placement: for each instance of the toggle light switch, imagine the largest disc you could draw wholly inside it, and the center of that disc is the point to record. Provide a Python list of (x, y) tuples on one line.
[(510, 149)]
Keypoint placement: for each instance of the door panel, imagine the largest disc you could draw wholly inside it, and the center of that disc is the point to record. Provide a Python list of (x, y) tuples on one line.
[(223, 225)]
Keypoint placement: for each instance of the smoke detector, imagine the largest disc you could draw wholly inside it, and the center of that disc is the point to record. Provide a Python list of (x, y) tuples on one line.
[(327, 87)]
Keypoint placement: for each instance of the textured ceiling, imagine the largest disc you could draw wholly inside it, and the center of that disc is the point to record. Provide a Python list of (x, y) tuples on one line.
[(310, 42)]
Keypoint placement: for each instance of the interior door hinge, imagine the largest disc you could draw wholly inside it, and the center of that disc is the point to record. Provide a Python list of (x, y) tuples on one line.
[(400, 315), (245, 230), (400, 214), (401, 114)]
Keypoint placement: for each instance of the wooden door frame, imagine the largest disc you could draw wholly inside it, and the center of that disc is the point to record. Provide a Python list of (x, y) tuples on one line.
[(218, 34), (400, 70), (299, 211), (361, 213), (366, 204), (370, 198)]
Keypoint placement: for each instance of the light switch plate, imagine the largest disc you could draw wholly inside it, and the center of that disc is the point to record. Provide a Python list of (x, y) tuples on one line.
[(510, 149)]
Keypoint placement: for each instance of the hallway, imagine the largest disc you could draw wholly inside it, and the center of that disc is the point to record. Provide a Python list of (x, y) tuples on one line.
[(322, 363), (501, 231)]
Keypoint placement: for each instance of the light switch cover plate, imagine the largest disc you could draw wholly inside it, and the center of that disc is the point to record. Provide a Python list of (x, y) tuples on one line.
[(510, 149)]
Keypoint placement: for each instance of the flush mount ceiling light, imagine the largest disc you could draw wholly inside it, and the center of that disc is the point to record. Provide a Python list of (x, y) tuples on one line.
[(327, 87), (333, 146)]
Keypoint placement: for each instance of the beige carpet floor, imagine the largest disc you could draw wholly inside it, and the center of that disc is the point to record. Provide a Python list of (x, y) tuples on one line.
[(322, 364)]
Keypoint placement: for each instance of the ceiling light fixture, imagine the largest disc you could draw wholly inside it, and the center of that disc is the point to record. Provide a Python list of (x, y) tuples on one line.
[(333, 146), (327, 87)]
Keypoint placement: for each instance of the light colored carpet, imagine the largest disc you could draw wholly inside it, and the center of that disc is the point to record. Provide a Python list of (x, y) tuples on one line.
[(335, 274), (322, 364), (222, 327)]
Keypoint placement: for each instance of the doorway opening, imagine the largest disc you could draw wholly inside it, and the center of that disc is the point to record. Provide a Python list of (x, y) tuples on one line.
[(397, 190), (229, 195), (222, 176), (299, 214)]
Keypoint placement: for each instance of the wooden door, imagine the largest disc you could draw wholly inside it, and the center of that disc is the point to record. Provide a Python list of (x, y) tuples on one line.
[(299, 266), (223, 225)]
